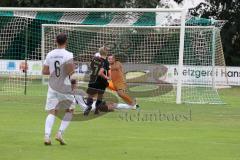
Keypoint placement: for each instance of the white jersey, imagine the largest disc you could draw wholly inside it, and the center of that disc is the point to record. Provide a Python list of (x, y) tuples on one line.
[(57, 57), (54, 60), (97, 54)]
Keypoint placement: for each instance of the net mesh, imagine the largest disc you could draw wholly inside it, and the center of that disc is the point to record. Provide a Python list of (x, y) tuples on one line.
[(149, 54)]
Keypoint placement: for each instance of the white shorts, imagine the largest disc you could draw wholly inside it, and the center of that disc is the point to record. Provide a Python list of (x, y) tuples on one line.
[(56, 100)]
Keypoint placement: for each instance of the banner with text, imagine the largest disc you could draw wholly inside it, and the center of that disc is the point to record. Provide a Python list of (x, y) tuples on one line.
[(190, 74)]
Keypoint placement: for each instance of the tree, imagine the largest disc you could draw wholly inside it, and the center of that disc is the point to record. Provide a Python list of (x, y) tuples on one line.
[(142, 3), (7, 3), (229, 11), (82, 3)]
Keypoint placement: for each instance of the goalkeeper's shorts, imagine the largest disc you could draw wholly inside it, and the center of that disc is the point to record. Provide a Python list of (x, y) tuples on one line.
[(115, 86), (56, 100)]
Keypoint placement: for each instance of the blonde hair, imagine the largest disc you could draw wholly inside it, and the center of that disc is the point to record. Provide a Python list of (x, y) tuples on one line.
[(103, 51)]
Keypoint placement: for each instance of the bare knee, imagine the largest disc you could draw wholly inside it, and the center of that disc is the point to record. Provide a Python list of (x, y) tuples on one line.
[(69, 110), (53, 112)]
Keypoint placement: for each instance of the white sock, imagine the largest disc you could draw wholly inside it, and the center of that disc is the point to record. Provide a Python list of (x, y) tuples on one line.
[(48, 125), (123, 106), (81, 102), (65, 122)]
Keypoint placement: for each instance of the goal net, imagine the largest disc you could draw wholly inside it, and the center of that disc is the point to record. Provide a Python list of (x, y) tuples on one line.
[(156, 66)]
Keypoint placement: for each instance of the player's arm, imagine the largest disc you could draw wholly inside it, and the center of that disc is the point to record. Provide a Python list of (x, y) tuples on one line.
[(101, 73), (45, 69), (70, 67), (108, 71), (70, 70), (109, 74)]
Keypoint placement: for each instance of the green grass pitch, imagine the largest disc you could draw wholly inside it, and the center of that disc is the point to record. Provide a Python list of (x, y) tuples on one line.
[(211, 133)]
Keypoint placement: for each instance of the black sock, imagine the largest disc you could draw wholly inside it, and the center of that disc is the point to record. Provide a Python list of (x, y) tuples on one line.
[(98, 103), (89, 102)]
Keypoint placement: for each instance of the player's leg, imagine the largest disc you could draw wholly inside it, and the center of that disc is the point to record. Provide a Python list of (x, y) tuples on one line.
[(120, 88), (106, 107), (129, 100), (89, 104), (99, 102), (48, 126), (79, 98), (68, 103), (50, 107), (80, 101), (64, 124), (111, 86), (91, 91), (111, 106), (101, 90), (123, 106)]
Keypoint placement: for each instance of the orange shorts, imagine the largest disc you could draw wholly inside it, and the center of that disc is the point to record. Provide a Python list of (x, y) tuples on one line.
[(116, 86)]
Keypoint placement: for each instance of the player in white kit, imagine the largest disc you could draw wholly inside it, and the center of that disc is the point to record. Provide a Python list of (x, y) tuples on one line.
[(59, 62)]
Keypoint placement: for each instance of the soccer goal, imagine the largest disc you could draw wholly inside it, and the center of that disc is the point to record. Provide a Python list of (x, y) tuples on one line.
[(166, 56)]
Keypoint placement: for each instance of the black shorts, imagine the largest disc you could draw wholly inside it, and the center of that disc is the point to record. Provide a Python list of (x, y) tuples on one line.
[(97, 88)]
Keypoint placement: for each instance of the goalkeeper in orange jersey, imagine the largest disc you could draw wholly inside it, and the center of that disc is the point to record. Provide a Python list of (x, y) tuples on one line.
[(117, 82)]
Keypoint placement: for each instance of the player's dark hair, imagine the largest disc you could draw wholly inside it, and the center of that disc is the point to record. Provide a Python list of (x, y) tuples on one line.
[(61, 38), (110, 54)]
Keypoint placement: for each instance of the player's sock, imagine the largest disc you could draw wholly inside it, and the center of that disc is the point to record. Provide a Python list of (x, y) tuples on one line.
[(123, 106), (65, 122), (48, 125), (89, 101), (80, 101), (126, 98), (98, 103), (89, 104)]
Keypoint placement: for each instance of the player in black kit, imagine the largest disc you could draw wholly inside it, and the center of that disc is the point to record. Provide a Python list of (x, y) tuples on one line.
[(98, 80)]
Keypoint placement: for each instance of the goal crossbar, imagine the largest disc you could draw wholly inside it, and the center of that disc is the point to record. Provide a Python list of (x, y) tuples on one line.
[(115, 26)]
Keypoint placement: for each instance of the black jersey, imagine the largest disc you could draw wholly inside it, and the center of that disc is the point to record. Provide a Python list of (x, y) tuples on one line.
[(96, 64)]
